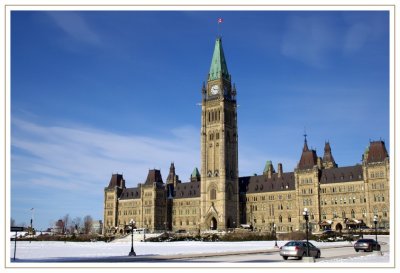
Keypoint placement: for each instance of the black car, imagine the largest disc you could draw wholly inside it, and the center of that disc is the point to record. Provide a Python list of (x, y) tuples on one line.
[(367, 245)]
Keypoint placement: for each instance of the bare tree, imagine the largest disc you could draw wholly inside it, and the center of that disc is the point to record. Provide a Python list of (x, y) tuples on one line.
[(66, 222), (76, 224), (87, 223)]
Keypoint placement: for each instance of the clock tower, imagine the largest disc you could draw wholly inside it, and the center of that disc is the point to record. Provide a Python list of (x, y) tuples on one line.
[(219, 147)]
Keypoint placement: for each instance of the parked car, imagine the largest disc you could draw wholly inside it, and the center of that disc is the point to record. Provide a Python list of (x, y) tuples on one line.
[(298, 249), (367, 245)]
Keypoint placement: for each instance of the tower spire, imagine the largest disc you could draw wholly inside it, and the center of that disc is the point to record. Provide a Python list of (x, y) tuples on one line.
[(218, 68), (305, 148)]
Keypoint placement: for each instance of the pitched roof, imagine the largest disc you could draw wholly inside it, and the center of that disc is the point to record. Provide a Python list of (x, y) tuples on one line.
[(328, 153), (153, 176), (218, 66), (377, 152), (195, 176), (261, 183), (308, 157), (308, 160), (116, 181), (187, 190), (341, 174), (130, 193), (268, 166)]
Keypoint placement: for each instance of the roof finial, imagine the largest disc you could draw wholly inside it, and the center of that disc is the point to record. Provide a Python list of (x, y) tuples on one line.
[(305, 134), (305, 148)]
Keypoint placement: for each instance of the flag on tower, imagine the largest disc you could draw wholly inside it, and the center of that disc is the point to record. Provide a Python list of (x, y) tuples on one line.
[(220, 20)]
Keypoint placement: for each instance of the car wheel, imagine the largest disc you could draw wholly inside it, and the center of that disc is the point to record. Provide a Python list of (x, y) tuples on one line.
[(370, 249), (357, 250), (318, 255), (302, 255), (285, 257)]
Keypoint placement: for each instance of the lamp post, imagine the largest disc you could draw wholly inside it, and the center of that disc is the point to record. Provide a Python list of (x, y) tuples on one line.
[(132, 224), (276, 243), (376, 230), (305, 215), (31, 235)]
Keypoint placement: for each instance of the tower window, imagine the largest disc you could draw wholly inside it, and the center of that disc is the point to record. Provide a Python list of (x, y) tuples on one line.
[(213, 194)]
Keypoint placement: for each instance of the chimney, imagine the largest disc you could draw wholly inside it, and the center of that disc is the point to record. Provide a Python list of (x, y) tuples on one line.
[(280, 170)]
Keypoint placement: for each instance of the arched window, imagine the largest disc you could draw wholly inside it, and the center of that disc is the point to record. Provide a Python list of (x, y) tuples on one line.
[(353, 215), (384, 212), (324, 215), (280, 218), (343, 214), (213, 194), (289, 219)]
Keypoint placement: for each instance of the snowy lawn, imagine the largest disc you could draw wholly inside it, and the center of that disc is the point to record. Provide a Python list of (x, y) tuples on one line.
[(37, 251)]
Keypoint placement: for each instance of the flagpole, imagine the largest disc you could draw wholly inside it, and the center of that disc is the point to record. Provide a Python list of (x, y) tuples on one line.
[(219, 21)]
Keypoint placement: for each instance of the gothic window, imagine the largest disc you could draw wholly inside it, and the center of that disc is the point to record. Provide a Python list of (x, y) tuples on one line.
[(364, 213), (324, 215), (289, 219), (343, 214), (353, 215), (213, 194), (384, 211), (229, 193), (280, 218)]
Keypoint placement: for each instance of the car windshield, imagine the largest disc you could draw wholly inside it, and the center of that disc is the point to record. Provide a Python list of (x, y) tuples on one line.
[(365, 240), (292, 244)]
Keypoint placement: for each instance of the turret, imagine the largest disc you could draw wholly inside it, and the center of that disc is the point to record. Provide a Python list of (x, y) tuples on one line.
[(328, 161)]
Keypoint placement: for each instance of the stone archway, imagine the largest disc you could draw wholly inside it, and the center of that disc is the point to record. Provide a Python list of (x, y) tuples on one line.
[(213, 223), (339, 227)]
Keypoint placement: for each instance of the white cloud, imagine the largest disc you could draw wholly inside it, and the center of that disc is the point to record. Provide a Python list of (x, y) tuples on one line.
[(71, 157), (356, 37), (75, 26), (308, 39)]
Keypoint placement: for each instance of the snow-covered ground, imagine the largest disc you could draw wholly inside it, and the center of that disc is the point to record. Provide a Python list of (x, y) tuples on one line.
[(40, 251)]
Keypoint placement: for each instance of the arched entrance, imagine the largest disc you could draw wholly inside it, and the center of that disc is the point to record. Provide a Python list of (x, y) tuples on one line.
[(213, 224), (339, 227)]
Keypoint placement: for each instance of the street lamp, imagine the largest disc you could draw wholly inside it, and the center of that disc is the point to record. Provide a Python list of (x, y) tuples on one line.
[(276, 244), (132, 224), (305, 215), (376, 230)]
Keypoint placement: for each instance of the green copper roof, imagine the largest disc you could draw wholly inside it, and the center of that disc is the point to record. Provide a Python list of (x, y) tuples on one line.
[(268, 165), (218, 64), (195, 173)]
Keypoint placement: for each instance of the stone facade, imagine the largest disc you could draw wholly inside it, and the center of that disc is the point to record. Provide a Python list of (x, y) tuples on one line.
[(216, 198)]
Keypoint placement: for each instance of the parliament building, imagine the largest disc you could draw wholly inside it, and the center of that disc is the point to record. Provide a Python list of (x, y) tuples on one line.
[(217, 198)]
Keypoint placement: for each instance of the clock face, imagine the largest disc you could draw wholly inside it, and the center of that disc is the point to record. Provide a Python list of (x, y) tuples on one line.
[(214, 89)]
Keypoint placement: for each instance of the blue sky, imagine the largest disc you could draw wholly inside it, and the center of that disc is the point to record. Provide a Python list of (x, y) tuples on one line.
[(99, 92)]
